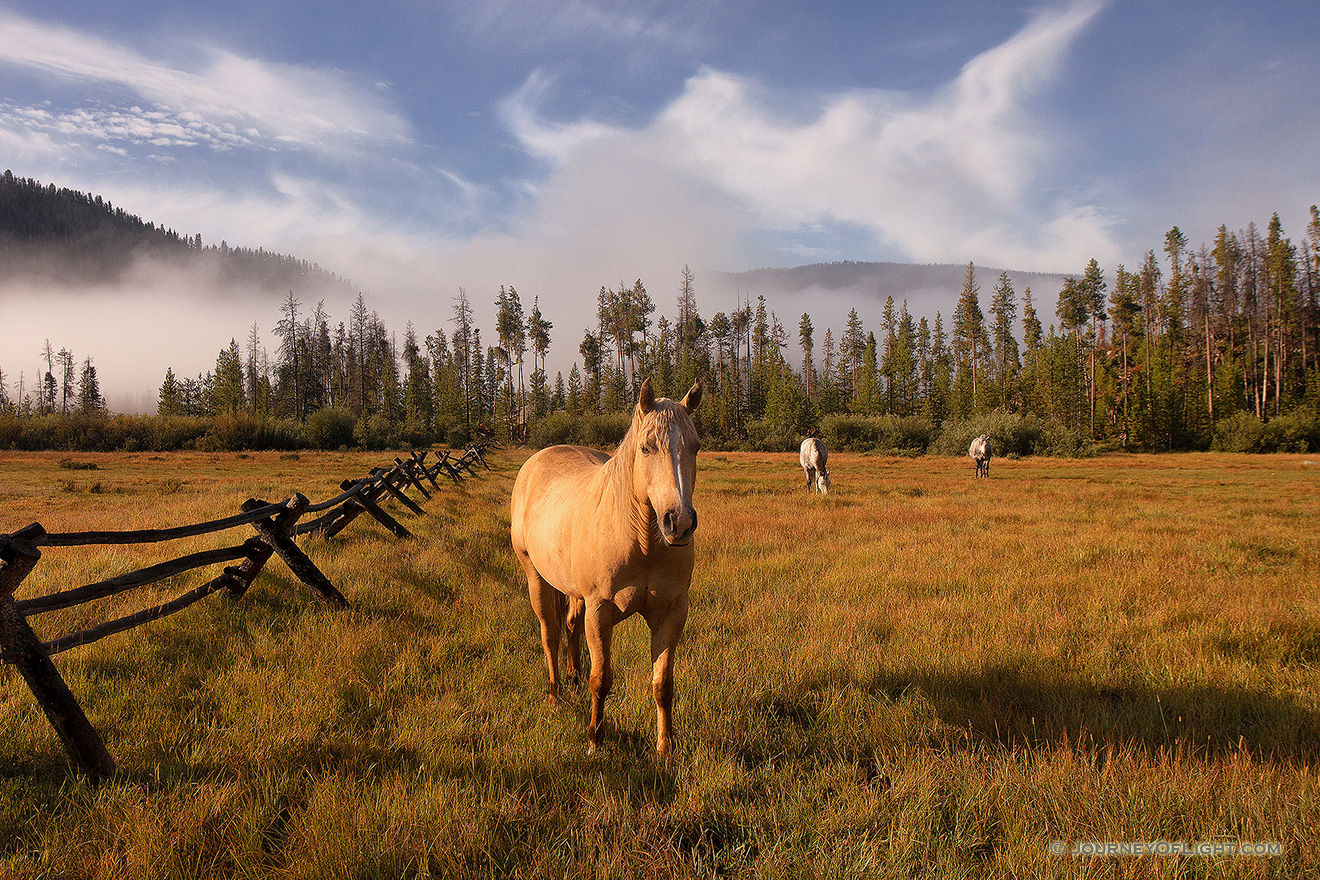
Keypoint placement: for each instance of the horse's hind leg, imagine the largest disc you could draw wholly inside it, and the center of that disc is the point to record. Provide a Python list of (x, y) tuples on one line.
[(574, 620), (599, 620), (811, 478), (665, 633), (548, 603)]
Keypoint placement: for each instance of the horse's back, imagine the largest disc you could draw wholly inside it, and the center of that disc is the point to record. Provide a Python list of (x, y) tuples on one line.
[(813, 454)]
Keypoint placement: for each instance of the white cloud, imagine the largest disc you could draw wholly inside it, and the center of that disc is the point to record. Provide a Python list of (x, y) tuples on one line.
[(218, 94), (948, 177)]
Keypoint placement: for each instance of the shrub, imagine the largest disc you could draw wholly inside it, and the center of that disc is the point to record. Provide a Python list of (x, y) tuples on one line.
[(1240, 432), (283, 434), (233, 431), (374, 433), (552, 430), (1013, 434), (330, 428), (1295, 431), (765, 435), (887, 433), (457, 436), (604, 431)]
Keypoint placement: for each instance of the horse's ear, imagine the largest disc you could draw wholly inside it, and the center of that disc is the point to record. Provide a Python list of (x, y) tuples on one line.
[(692, 399), (646, 397)]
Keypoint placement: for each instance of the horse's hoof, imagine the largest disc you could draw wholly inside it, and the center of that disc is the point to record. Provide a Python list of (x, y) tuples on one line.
[(591, 749), (552, 700)]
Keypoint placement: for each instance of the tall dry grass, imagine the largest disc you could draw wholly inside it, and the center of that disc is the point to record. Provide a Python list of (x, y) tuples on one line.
[(919, 675)]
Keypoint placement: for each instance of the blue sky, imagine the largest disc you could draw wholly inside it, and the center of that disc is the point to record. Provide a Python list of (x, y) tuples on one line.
[(559, 146)]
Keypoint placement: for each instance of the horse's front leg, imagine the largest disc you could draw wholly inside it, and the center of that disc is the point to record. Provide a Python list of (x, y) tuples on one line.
[(599, 627), (666, 629)]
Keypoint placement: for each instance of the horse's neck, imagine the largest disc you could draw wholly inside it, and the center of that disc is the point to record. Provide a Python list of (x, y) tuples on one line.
[(622, 514)]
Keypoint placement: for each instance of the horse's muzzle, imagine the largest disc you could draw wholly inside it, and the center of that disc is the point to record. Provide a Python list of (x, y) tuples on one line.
[(676, 528)]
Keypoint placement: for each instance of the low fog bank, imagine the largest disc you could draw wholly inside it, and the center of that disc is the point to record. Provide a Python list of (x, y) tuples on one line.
[(153, 315), (159, 314), (827, 292)]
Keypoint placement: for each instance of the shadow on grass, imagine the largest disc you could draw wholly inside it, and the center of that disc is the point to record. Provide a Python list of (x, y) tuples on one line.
[(1013, 707)]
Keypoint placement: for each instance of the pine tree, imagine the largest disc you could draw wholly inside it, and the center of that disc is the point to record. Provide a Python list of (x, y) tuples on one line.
[(228, 391), (170, 401), (805, 331), (1003, 308), (90, 401), (970, 345)]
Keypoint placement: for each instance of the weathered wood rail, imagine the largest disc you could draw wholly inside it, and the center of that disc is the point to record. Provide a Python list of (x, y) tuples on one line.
[(276, 524)]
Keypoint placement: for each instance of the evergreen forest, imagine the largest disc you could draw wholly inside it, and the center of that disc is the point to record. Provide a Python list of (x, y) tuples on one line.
[(1214, 346)]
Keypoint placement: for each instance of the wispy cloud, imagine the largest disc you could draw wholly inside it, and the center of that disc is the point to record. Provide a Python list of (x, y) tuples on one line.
[(663, 23), (219, 99), (949, 176)]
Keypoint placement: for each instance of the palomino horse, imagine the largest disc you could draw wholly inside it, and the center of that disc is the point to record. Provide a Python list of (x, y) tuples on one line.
[(602, 538)]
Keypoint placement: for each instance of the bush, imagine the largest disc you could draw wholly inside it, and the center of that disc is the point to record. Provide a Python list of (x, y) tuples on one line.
[(604, 431), (1240, 432), (374, 433), (330, 428), (887, 433), (765, 435), (1013, 434), (414, 435), (235, 431), (552, 430), (1295, 431), (457, 436)]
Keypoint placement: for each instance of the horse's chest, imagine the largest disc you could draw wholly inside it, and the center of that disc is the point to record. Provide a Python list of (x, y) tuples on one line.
[(631, 600)]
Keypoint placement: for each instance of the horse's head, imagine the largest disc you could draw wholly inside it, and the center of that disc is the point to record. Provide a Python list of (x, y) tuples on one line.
[(823, 482), (665, 464)]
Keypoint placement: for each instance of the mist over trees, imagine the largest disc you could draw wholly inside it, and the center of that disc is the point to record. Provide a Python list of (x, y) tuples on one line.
[(1212, 346), (75, 237)]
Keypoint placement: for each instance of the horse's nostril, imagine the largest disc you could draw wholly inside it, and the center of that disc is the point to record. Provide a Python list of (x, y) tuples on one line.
[(694, 520), (670, 521)]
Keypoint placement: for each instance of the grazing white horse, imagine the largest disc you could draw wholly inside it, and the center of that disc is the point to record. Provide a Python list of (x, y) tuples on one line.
[(980, 452), (814, 456)]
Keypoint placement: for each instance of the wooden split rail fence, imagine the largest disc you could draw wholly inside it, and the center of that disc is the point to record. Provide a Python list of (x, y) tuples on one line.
[(276, 525)]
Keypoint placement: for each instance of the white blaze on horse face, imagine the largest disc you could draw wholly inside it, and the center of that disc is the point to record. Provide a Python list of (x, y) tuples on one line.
[(676, 458), (670, 482)]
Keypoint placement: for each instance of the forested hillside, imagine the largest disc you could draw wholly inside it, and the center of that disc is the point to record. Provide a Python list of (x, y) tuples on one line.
[(75, 237)]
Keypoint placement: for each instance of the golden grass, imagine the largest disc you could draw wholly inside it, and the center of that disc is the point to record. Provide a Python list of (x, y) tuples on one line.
[(919, 675)]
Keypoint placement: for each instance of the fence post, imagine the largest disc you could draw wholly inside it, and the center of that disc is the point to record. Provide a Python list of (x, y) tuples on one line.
[(448, 466), (240, 577), (420, 459), (409, 470), (387, 478), (355, 506), (275, 533), (22, 648)]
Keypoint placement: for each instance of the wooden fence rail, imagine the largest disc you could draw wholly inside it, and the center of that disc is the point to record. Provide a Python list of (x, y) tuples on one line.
[(276, 524)]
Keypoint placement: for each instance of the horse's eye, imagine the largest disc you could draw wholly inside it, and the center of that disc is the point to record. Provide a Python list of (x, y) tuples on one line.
[(646, 450)]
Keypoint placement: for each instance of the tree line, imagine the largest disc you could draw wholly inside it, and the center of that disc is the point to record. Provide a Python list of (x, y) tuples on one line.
[(1214, 347)]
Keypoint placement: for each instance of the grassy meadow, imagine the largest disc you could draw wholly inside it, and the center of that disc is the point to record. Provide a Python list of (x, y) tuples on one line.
[(921, 675)]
